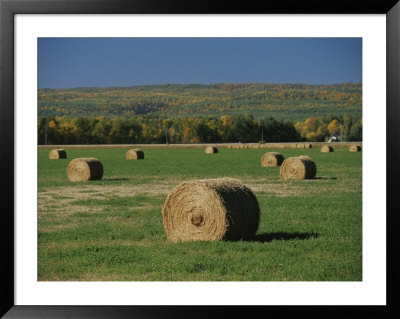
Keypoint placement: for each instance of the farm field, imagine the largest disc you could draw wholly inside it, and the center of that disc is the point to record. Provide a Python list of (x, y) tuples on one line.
[(112, 230)]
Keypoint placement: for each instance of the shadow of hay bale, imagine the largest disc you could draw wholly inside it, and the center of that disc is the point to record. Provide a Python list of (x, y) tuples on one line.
[(268, 237)]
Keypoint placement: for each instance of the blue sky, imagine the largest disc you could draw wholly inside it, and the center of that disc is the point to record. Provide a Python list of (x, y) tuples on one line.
[(104, 62)]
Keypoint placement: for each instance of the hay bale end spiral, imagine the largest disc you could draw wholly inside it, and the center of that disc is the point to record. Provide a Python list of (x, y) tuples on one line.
[(300, 167), (211, 209), (84, 169), (272, 159)]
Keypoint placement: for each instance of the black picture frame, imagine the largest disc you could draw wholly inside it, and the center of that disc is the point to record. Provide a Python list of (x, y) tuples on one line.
[(8, 8)]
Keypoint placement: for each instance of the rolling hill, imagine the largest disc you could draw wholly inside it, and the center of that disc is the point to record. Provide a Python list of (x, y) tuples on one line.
[(294, 102)]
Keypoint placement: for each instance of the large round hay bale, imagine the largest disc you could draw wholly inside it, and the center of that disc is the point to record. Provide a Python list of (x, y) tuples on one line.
[(300, 167), (354, 148), (57, 154), (134, 154), (211, 150), (84, 169), (326, 149), (272, 159), (211, 209)]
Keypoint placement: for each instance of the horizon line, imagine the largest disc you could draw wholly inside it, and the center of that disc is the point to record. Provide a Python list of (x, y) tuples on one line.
[(199, 84)]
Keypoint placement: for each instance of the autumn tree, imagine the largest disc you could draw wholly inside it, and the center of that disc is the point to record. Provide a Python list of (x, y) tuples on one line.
[(333, 127), (311, 136), (322, 133), (312, 124)]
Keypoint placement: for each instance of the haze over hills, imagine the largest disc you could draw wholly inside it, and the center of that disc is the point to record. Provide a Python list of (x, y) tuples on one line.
[(295, 102)]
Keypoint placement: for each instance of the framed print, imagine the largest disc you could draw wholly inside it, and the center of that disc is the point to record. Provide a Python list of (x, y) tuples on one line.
[(116, 115)]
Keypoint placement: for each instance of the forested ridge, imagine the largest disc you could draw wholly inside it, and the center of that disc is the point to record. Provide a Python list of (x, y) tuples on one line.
[(294, 102)]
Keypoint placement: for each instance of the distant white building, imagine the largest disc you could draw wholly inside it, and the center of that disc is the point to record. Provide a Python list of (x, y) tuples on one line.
[(333, 139)]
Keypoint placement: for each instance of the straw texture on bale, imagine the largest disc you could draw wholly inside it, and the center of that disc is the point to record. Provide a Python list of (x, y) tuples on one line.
[(84, 169), (301, 167), (135, 154), (326, 149), (211, 209), (211, 150), (354, 148), (272, 159), (57, 154)]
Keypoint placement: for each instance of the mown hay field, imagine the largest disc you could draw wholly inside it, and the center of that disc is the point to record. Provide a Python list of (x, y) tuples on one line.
[(112, 229)]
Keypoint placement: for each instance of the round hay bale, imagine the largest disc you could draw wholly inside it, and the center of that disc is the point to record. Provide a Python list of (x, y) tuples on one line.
[(57, 154), (211, 209), (84, 169), (134, 154), (355, 148), (272, 159), (326, 149), (300, 167), (211, 150)]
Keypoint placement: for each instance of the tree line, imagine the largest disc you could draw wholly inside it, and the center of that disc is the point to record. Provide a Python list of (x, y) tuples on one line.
[(212, 129)]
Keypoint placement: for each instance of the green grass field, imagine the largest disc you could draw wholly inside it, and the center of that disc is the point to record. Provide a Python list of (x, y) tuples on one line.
[(111, 230)]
